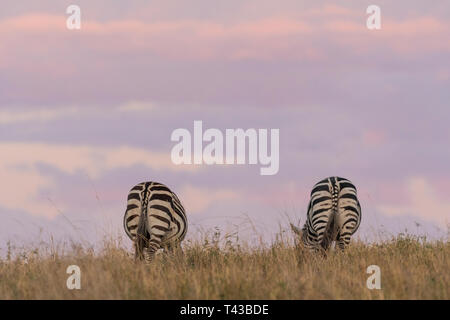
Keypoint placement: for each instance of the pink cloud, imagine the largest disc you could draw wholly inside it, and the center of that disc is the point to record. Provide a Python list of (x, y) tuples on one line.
[(373, 137), (282, 196), (266, 38), (33, 23), (198, 200), (331, 10), (21, 179), (422, 201), (416, 26)]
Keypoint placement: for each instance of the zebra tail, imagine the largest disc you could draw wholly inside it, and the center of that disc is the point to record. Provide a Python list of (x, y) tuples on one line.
[(141, 237), (327, 235), (332, 227)]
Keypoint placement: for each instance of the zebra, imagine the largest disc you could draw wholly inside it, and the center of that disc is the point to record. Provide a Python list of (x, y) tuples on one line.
[(154, 219), (334, 214)]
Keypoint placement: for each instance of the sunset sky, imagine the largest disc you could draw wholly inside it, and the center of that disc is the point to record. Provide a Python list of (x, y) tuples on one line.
[(86, 114)]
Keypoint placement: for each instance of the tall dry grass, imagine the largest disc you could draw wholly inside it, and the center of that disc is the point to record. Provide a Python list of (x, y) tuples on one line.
[(411, 268)]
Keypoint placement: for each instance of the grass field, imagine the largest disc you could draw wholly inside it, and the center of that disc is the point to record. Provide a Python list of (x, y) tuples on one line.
[(411, 268)]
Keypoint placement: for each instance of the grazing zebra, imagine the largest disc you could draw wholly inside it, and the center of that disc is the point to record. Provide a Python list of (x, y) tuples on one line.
[(154, 219), (334, 214)]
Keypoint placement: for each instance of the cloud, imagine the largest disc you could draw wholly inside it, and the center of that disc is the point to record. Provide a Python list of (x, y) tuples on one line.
[(423, 201), (22, 179), (34, 114), (268, 37), (373, 137), (40, 115), (136, 106), (198, 200), (189, 58)]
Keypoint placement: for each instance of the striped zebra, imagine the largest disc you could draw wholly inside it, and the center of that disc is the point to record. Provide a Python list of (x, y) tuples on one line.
[(334, 214), (154, 219)]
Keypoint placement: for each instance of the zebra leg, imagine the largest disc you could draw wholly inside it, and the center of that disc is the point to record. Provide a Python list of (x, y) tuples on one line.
[(343, 241), (153, 246), (341, 244), (169, 248), (156, 233), (347, 227)]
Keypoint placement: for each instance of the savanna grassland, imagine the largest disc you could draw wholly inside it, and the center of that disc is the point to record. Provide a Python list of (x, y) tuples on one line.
[(411, 268)]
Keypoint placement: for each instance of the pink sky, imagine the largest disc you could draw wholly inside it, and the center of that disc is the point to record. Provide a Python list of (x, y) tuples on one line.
[(86, 114)]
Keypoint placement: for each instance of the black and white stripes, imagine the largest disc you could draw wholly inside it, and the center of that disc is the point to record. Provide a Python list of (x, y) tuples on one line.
[(154, 219), (334, 214)]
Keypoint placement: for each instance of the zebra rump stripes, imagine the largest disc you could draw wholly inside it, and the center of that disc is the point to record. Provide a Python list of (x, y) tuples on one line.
[(154, 219), (334, 214)]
